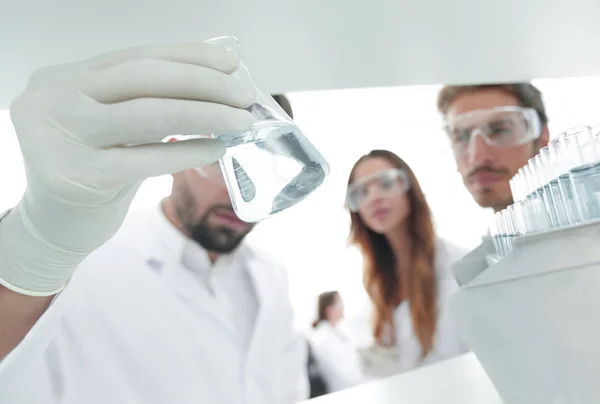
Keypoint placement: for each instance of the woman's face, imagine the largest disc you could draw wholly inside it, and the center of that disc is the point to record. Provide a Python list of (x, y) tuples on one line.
[(379, 193), (335, 312)]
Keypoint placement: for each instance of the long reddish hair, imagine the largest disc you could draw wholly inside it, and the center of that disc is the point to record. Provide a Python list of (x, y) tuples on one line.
[(379, 263)]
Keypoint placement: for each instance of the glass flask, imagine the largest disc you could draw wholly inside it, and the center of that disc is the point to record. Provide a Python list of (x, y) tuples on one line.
[(273, 166)]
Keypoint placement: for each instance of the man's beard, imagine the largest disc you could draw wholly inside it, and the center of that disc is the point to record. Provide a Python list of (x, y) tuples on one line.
[(219, 239)]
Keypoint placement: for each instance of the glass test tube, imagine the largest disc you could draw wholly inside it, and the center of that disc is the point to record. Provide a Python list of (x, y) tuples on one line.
[(535, 217), (543, 218), (506, 230), (584, 171), (544, 190), (560, 156), (496, 233), (554, 190)]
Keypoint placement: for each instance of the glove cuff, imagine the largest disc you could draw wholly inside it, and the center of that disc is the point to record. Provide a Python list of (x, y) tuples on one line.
[(29, 264)]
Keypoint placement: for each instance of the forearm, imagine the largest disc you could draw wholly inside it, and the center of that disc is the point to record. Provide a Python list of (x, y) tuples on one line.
[(18, 314), (18, 311)]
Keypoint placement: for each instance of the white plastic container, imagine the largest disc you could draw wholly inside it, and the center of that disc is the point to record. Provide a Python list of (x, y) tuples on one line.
[(533, 318)]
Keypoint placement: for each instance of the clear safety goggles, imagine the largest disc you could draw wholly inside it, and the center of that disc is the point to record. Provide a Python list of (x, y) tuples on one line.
[(382, 183), (499, 127), (212, 172)]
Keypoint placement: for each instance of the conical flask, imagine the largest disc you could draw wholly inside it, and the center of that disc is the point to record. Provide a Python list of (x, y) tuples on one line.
[(273, 166)]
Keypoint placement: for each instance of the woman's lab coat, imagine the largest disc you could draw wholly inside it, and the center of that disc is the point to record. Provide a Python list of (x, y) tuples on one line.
[(404, 352), (336, 357), (131, 328)]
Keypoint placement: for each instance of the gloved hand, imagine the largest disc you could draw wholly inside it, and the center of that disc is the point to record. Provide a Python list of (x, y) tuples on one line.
[(73, 122)]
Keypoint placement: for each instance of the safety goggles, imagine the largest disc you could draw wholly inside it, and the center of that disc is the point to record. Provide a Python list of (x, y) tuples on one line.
[(212, 172), (382, 183), (499, 127)]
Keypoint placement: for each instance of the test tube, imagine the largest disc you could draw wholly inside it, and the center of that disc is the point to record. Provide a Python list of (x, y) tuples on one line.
[(514, 188), (535, 215), (544, 215), (506, 230), (496, 233), (500, 233), (559, 154), (584, 172), (526, 202), (544, 190), (596, 131), (522, 201), (596, 136), (521, 185), (553, 191)]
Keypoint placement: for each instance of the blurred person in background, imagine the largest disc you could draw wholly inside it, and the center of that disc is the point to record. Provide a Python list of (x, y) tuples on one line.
[(512, 122), (336, 356), (406, 268)]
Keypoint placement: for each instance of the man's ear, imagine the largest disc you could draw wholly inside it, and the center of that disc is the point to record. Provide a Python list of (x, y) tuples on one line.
[(544, 138)]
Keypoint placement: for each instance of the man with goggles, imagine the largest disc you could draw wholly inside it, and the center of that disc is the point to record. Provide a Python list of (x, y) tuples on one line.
[(177, 306), (512, 123)]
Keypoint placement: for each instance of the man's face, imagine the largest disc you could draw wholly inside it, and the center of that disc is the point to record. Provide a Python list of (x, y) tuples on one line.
[(203, 206), (486, 170)]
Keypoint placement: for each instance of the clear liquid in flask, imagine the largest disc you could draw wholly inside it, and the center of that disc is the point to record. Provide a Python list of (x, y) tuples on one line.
[(270, 168), (273, 166)]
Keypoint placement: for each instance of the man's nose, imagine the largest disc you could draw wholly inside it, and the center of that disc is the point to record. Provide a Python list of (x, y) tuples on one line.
[(479, 151), (223, 190)]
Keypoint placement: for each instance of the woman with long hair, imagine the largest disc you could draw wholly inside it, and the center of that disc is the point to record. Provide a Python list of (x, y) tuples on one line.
[(406, 268), (335, 354)]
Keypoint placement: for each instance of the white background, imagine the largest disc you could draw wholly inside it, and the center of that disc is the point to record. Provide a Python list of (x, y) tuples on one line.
[(344, 124)]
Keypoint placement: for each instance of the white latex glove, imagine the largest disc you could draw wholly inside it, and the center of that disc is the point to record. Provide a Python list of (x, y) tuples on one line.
[(71, 121)]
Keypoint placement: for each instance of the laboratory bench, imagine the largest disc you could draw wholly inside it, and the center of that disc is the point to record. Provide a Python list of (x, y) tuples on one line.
[(460, 380)]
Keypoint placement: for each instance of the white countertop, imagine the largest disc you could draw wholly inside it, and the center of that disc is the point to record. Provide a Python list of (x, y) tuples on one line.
[(459, 380)]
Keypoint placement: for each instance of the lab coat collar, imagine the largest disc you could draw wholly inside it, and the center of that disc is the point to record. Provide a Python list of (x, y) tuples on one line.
[(330, 329), (324, 324), (192, 256), (173, 243)]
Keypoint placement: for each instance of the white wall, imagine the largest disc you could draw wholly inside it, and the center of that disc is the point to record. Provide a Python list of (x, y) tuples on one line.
[(344, 124)]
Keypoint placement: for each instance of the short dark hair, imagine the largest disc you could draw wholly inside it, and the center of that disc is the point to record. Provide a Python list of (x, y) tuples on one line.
[(284, 103), (527, 95)]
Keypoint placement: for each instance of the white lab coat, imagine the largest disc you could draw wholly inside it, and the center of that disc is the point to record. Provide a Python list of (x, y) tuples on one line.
[(404, 353), (336, 357), (129, 329)]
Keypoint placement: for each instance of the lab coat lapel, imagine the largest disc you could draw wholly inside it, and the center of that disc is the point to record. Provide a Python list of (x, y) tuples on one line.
[(260, 282), (192, 294), (164, 246)]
